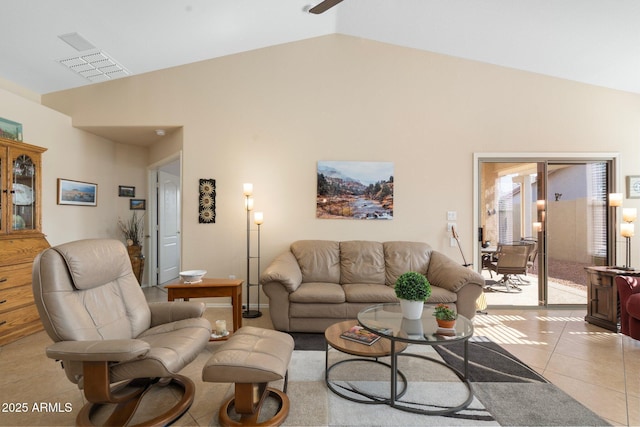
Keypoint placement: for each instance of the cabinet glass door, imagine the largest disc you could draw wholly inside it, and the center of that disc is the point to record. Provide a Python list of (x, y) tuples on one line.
[(23, 198), (2, 191)]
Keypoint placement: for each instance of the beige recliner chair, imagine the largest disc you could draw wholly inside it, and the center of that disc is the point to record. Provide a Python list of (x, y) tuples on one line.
[(106, 334)]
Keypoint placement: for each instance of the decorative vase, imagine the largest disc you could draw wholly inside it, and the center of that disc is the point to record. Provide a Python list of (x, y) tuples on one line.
[(137, 261), (411, 309), (446, 323)]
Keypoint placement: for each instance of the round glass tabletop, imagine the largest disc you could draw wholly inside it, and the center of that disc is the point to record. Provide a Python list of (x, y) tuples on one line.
[(387, 320)]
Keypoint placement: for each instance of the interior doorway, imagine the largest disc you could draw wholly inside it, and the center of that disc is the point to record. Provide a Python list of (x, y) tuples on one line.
[(556, 206), (165, 221)]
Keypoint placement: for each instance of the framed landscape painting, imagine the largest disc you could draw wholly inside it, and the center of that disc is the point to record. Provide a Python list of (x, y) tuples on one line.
[(137, 204), (355, 190), (77, 193)]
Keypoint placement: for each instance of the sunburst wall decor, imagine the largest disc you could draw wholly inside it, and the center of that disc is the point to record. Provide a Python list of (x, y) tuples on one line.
[(207, 201)]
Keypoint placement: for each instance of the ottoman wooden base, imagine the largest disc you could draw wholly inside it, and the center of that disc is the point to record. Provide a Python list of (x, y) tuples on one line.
[(252, 358), (251, 417)]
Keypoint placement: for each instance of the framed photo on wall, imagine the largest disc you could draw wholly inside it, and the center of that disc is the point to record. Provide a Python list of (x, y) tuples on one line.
[(137, 204), (126, 191), (633, 187), (77, 193)]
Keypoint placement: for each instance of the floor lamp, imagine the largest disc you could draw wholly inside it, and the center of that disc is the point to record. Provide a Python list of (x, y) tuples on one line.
[(248, 205), (629, 215), (615, 201)]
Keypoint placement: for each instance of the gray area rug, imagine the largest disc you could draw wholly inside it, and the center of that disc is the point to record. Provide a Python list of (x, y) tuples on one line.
[(507, 392)]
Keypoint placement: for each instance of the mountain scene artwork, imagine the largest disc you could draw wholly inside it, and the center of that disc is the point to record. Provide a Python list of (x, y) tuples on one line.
[(355, 190)]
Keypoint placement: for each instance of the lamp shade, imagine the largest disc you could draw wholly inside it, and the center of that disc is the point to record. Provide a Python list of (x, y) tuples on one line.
[(247, 189), (258, 218), (248, 203), (626, 229), (615, 199), (629, 214)]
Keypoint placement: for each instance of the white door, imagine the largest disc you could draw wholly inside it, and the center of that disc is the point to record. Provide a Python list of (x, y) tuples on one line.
[(168, 227)]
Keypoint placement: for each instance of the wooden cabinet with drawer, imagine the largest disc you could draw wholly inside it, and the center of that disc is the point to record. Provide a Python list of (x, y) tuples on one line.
[(18, 314), (602, 296)]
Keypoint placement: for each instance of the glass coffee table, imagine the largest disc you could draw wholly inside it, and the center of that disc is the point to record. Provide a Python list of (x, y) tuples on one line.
[(386, 320)]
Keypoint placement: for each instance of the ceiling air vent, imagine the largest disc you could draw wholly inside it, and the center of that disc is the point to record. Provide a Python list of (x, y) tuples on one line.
[(95, 66)]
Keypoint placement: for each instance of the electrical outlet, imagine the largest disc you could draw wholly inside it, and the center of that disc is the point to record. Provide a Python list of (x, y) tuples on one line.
[(232, 276), (452, 216), (452, 242), (450, 226)]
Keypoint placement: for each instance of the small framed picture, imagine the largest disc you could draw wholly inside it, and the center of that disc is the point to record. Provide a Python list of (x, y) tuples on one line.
[(633, 187), (126, 191), (77, 193), (137, 204)]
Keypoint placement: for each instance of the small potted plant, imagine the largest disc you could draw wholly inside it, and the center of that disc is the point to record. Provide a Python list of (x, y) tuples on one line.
[(445, 316), (413, 289)]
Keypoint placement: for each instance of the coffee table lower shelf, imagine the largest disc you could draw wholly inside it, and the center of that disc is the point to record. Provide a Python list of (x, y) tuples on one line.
[(398, 387)]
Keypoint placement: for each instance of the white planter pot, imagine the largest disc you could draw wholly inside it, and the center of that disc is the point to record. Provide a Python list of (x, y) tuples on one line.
[(411, 309)]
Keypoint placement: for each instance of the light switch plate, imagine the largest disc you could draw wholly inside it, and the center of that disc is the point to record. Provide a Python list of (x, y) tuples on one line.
[(452, 215)]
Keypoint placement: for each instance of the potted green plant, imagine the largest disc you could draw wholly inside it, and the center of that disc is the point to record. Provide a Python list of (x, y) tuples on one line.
[(413, 289), (133, 232), (445, 316)]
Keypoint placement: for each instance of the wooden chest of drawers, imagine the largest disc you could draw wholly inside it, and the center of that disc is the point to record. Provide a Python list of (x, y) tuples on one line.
[(18, 314)]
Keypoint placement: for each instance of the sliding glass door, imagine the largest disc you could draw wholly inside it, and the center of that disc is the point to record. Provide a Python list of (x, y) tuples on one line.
[(558, 208)]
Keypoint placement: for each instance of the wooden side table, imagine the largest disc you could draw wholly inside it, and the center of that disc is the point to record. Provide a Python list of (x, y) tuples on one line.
[(211, 288)]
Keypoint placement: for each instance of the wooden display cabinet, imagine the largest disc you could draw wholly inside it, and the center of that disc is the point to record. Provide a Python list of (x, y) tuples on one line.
[(21, 237)]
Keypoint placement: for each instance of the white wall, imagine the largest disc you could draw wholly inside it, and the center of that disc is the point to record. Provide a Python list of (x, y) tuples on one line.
[(77, 155)]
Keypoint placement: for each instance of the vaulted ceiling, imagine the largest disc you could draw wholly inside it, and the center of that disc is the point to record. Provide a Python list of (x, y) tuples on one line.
[(590, 41)]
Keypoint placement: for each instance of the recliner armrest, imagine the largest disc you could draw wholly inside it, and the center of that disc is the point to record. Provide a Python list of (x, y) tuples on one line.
[(99, 350), (283, 269), (167, 312)]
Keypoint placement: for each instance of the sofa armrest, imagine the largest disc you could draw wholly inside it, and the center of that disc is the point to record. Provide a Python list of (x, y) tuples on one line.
[(285, 270), (167, 312), (99, 350), (448, 274)]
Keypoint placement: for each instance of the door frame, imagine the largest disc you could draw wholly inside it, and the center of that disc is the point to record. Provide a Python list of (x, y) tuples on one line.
[(533, 157), (152, 213)]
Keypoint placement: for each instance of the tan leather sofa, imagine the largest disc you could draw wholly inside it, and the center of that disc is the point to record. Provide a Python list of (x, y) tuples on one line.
[(320, 282)]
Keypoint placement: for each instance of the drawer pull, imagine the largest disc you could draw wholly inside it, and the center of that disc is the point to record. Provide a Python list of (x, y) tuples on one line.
[(3, 301), (3, 279), (3, 322)]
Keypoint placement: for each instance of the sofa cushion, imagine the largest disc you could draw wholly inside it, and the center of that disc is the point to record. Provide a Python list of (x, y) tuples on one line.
[(365, 292), (319, 260), (315, 292), (361, 262), (318, 311), (439, 295), (400, 257)]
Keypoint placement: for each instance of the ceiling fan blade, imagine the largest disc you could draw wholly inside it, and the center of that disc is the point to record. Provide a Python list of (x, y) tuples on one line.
[(324, 6)]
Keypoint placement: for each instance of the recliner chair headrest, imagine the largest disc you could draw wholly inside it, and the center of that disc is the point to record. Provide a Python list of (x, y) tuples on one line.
[(86, 261)]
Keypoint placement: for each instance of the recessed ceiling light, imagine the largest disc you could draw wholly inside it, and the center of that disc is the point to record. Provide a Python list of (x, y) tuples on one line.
[(160, 132)]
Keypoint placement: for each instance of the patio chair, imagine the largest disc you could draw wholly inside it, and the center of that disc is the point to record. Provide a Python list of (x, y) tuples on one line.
[(511, 261)]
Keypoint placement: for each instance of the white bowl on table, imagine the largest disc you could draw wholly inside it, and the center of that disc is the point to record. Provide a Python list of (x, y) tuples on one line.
[(192, 276)]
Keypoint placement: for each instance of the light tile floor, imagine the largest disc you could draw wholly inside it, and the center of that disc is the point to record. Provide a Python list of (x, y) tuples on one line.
[(597, 367)]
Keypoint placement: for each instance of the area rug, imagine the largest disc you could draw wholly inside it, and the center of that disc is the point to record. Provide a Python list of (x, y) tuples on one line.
[(507, 392)]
